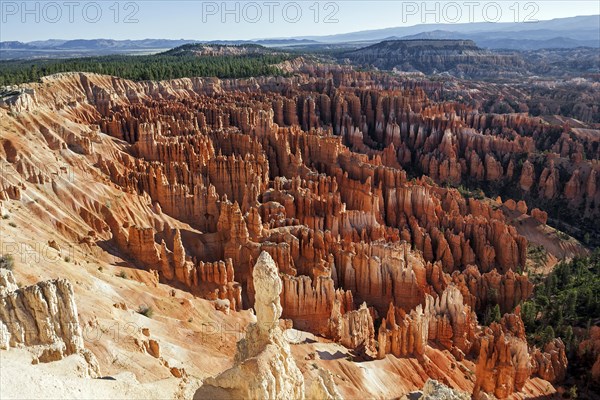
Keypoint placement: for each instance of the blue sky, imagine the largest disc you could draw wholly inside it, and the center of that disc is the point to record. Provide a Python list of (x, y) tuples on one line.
[(209, 20)]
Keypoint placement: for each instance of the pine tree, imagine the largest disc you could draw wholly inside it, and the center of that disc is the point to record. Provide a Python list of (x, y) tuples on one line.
[(496, 315)]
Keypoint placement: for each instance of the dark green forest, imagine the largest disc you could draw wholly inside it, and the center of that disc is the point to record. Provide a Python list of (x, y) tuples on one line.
[(566, 305), (569, 298), (151, 67)]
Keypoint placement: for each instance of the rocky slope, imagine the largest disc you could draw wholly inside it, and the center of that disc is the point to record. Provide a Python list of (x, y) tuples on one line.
[(193, 185)]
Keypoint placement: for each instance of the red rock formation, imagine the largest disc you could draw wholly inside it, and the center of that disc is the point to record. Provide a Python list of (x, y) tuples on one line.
[(539, 215), (403, 334), (551, 364), (314, 170), (353, 328), (527, 176), (490, 288), (503, 363), (548, 182), (309, 307), (445, 320)]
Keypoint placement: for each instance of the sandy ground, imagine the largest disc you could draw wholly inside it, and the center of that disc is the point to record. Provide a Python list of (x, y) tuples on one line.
[(63, 379)]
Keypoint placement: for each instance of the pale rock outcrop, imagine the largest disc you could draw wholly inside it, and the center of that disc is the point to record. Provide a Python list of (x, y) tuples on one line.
[(452, 323), (42, 317), (19, 100), (264, 367), (434, 390), (323, 387), (7, 281)]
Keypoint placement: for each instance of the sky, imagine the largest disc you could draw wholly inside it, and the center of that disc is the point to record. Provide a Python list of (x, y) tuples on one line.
[(211, 20)]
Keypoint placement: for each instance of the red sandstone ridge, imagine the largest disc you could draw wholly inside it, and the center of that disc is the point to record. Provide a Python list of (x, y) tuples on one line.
[(194, 179)]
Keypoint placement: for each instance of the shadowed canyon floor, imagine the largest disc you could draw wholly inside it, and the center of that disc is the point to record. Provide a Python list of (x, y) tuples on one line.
[(161, 202)]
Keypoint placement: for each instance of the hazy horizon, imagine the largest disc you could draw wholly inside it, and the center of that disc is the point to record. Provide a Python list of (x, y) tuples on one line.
[(244, 20)]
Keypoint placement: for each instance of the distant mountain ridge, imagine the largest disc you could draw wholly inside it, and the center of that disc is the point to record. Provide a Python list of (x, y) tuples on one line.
[(517, 40), (54, 48), (571, 27), (95, 44), (572, 32)]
